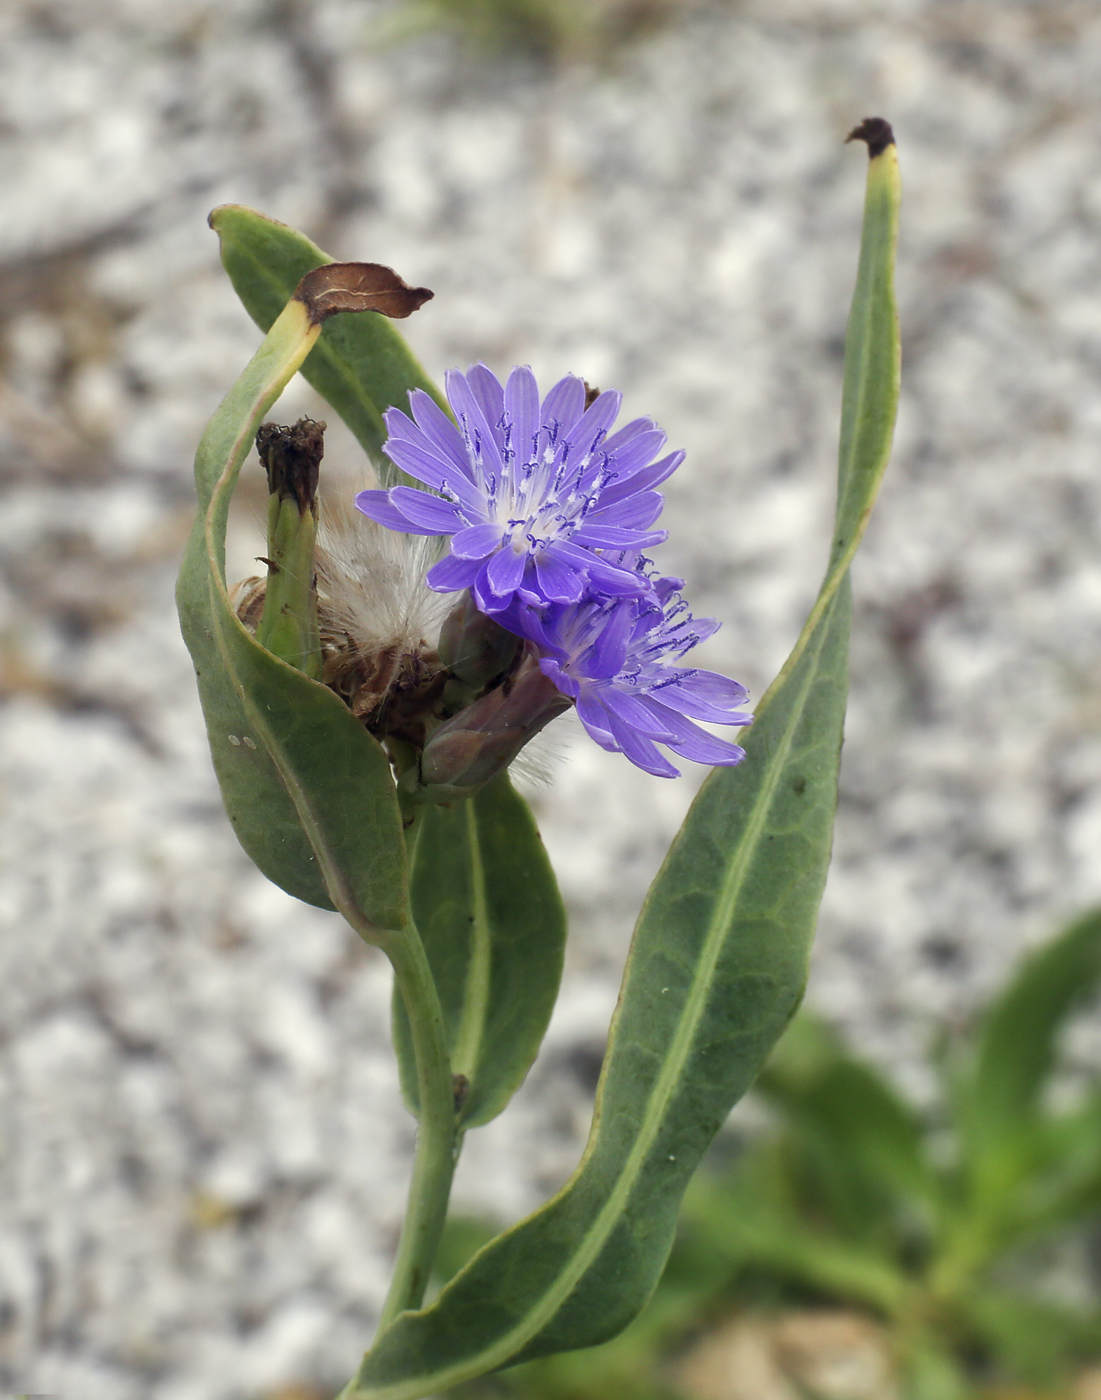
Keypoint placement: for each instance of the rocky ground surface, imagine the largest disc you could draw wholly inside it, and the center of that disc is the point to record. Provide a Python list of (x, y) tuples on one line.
[(204, 1153)]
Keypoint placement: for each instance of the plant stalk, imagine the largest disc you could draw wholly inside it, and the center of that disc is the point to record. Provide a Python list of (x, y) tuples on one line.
[(434, 1162)]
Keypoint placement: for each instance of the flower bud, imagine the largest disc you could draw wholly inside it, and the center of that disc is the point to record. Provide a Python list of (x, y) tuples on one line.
[(473, 647), (473, 747)]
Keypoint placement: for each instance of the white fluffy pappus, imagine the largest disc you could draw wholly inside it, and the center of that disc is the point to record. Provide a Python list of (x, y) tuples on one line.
[(370, 580)]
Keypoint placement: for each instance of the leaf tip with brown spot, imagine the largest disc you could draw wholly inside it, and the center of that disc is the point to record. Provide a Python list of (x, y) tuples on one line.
[(876, 133), (358, 286)]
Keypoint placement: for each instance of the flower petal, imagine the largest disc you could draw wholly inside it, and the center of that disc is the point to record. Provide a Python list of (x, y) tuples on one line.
[(564, 404), (486, 388), (643, 480), (639, 750), (609, 578), (634, 710), (424, 465), (680, 698), (697, 744), (558, 583), (439, 431), (596, 720), (451, 574), (522, 412), (483, 440), (605, 657), (554, 672), (599, 536), (435, 516), (377, 505), (638, 511), (505, 571), (629, 433), (628, 458), (719, 689), (594, 424), (477, 541)]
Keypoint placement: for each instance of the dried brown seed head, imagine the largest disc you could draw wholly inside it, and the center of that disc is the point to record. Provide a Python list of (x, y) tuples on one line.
[(292, 459)]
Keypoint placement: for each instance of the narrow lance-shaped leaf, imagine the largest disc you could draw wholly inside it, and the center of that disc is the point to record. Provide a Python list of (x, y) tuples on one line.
[(1016, 1049), (493, 926), (753, 1220), (717, 965), (870, 1138), (308, 791)]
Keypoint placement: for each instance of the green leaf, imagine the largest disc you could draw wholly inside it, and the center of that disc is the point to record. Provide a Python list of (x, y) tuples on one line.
[(1000, 1101), (361, 365), (931, 1372), (752, 1215), (717, 967), (494, 928), (308, 791), (866, 1141), (1033, 1340), (1067, 1185)]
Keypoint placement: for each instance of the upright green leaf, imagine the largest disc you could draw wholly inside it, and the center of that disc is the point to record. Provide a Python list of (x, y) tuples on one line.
[(717, 965), (1036, 1338), (868, 1143), (493, 925), (873, 354), (1017, 1040), (307, 789), (361, 365), (754, 1216)]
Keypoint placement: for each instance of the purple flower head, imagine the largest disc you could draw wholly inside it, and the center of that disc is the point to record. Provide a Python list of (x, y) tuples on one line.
[(618, 659), (532, 494)]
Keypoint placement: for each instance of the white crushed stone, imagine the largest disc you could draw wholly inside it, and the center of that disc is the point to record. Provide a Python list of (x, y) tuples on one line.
[(204, 1154)]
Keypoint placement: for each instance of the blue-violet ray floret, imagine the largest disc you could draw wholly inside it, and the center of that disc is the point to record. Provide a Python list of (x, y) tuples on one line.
[(532, 494), (618, 659)]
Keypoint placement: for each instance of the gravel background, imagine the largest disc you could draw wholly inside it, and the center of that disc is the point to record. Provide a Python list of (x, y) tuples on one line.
[(204, 1155)]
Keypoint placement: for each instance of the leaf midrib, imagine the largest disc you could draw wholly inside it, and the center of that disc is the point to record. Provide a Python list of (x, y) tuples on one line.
[(470, 1038)]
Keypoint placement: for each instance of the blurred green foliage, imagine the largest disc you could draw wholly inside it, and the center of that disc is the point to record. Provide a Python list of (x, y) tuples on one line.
[(555, 32), (938, 1228)]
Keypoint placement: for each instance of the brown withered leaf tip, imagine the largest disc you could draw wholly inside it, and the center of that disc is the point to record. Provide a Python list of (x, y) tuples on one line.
[(358, 286), (876, 133)]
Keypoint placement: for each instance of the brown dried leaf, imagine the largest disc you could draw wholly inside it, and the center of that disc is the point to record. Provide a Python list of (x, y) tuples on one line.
[(358, 286)]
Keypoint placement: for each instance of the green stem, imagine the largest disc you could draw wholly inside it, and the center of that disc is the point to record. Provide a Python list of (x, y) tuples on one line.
[(434, 1162)]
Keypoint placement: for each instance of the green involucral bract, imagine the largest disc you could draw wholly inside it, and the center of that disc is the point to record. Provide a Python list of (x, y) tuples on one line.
[(717, 965)]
